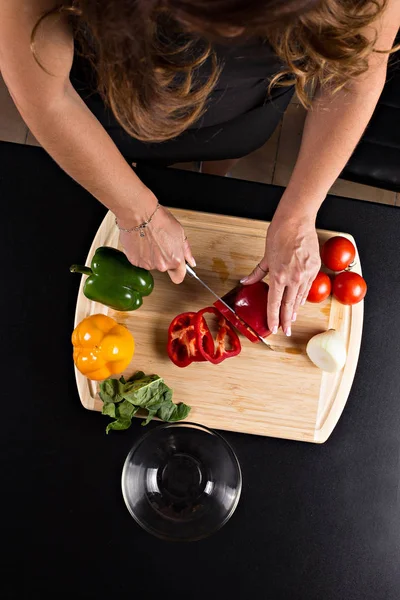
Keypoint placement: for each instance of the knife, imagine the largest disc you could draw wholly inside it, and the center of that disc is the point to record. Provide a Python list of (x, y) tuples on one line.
[(193, 274)]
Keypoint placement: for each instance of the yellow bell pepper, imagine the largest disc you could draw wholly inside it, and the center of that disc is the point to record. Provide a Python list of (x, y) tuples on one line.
[(102, 347)]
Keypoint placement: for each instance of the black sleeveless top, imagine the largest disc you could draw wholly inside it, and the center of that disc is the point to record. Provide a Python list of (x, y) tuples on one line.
[(243, 85), (240, 115)]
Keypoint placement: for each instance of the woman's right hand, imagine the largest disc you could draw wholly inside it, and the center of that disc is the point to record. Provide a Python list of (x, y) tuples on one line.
[(164, 246)]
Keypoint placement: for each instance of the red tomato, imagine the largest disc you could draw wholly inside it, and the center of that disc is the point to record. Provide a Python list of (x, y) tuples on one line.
[(349, 288), (338, 253), (320, 289)]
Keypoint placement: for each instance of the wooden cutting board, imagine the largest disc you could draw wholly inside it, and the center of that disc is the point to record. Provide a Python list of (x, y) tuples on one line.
[(281, 393)]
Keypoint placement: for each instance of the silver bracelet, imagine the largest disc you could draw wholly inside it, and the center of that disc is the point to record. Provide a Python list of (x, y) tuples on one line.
[(140, 227)]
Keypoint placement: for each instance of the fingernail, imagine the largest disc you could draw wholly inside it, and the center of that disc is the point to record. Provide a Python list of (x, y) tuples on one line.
[(244, 280), (275, 330), (193, 263), (303, 302), (294, 317), (288, 331)]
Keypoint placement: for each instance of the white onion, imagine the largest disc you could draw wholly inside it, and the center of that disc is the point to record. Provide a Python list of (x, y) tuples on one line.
[(327, 351)]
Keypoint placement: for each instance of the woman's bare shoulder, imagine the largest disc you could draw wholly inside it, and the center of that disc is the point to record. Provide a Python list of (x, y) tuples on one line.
[(25, 66), (387, 25), (24, 11)]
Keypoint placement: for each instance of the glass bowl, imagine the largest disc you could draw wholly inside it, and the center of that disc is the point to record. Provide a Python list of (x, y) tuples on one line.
[(181, 481)]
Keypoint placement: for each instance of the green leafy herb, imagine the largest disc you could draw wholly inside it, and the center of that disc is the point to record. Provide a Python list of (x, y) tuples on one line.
[(126, 410), (119, 425), (111, 390), (123, 398), (180, 412), (109, 410)]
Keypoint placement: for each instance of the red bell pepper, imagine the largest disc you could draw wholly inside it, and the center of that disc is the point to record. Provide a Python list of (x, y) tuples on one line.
[(184, 343), (250, 304), (226, 343), (235, 321)]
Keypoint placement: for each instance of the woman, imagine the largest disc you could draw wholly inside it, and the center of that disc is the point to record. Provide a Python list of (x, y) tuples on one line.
[(201, 80)]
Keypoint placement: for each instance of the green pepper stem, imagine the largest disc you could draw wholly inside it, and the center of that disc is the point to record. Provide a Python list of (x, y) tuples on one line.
[(81, 269)]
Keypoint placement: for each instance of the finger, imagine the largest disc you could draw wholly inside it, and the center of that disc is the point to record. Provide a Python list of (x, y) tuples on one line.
[(307, 291), (274, 304), (287, 308), (178, 275), (300, 295), (161, 266), (257, 274), (187, 253)]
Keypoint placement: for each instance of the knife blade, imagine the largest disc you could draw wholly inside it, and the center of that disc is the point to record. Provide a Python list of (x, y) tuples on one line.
[(193, 274)]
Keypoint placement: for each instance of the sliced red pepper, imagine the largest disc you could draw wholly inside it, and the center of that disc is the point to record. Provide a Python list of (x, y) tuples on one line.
[(226, 343), (184, 343)]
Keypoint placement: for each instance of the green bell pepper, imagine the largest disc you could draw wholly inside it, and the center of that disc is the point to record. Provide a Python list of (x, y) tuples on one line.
[(114, 281)]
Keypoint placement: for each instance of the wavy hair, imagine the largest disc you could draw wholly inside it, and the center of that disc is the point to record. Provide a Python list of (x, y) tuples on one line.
[(154, 60)]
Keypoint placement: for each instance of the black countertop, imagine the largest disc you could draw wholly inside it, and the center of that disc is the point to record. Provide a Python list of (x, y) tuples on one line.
[(314, 522)]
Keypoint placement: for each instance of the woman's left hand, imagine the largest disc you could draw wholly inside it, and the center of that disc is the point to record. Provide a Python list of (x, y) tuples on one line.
[(292, 259)]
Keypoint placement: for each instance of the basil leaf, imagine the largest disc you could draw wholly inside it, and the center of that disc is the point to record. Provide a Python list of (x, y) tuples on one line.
[(141, 392), (122, 400), (139, 382), (107, 386), (125, 410), (157, 399), (167, 393), (106, 392), (181, 411), (168, 411), (109, 409), (135, 376), (150, 416), (119, 425), (165, 411), (110, 390)]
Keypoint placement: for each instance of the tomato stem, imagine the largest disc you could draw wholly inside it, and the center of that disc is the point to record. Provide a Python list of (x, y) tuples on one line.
[(351, 266)]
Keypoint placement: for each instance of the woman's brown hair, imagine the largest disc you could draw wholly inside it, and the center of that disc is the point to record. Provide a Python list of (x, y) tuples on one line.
[(147, 54)]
